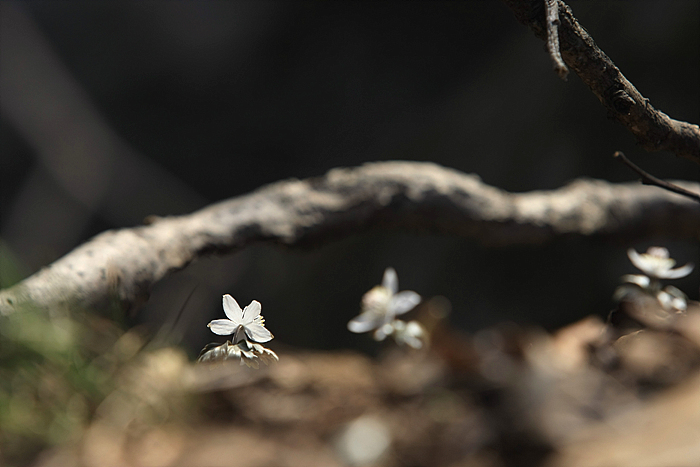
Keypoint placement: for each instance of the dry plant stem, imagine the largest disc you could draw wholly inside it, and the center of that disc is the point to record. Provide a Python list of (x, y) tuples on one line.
[(118, 268), (649, 179), (553, 38), (655, 131)]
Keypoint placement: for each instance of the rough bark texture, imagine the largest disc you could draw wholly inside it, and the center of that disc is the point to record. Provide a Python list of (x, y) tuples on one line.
[(655, 131), (119, 267)]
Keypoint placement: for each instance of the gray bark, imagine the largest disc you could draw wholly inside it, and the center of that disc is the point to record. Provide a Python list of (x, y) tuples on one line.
[(119, 267)]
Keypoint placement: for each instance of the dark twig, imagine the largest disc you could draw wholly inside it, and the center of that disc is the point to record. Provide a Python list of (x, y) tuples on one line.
[(655, 131), (648, 179), (560, 67), (163, 332)]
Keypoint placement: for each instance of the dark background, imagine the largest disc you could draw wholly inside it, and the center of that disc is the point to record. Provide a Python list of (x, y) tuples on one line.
[(113, 111)]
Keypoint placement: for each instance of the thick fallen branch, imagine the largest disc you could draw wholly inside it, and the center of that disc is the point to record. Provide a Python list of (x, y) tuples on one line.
[(655, 131), (119, 267)]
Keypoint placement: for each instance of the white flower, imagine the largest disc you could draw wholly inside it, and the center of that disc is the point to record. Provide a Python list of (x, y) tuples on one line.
[(246, 324), (381, 305), (656, 263), (672, 298), (637, 279), (412, 333)]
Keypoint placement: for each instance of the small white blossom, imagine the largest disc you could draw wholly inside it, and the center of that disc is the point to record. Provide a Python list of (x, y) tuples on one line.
[(657, 264), (381, 305), (248, 329), (246, 324), (672, 298), (637, 279), (412, 333)]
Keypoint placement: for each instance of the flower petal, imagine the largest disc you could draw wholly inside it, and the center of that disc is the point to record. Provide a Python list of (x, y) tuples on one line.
[(637, 259), (391, 280), (627, 292), (637, 279), (363, 323), (222, 327), (676, 292), (384, 331), (679, 304), (665, 299), (656, 263), (415, 334), (251, 312), (257, 332), (403, 302), (409, 333), (232, 309), (679, 272)]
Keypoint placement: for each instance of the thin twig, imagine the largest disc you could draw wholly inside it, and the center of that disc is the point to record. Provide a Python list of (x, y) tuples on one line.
[(648, 179), (163, 332), (560, 67)]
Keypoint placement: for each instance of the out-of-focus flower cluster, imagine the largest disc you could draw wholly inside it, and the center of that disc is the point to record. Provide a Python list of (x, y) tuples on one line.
[(248, 329), (656, 264), (381, 305)]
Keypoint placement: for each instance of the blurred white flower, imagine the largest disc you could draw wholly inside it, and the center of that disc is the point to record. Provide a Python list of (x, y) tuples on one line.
[(246, 324), (412, 333), (381, 305), (672, 298), (657, 264), (637, 279)]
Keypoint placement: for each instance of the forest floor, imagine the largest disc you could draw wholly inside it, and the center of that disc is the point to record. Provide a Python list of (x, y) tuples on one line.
[(622, 393)]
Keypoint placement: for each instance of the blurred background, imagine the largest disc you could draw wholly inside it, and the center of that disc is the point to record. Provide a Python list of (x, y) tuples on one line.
[(114, 111)]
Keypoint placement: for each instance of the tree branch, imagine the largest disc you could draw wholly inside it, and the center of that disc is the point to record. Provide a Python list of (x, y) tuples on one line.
[(552, 13), (655, 131), (118, 268)]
